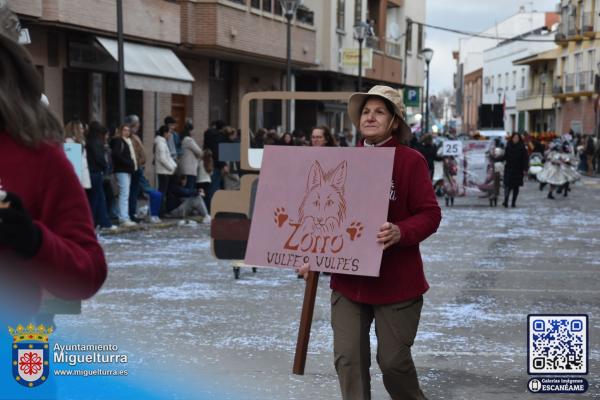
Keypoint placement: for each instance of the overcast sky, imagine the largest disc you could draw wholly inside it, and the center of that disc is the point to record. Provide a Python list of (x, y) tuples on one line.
[(466, 15)]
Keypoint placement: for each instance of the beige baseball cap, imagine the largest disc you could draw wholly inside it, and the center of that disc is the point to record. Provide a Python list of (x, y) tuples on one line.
[(393, 96)]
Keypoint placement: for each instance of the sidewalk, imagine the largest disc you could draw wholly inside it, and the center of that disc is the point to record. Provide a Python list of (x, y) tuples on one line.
[(145, 226)]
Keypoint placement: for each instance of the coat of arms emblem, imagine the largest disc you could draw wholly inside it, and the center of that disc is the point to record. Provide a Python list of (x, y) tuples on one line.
[(30, 354)]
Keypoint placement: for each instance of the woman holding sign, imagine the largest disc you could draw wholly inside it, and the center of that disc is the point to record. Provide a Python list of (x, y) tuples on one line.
[(395, 298)]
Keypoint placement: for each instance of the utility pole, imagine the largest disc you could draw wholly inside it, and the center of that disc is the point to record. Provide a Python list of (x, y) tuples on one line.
[(121, 62)]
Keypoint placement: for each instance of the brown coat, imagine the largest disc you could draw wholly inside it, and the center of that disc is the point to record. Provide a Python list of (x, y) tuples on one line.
[(138, 146)]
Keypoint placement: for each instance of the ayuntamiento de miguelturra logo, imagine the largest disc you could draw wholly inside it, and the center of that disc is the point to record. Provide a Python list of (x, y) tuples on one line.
[(30, 354)]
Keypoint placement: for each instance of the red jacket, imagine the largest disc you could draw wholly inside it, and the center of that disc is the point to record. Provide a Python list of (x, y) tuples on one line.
[(70, 263), (414, 208)]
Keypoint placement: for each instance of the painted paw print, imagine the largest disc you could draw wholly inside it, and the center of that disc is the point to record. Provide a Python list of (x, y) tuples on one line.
[(355, 230), (280, 216)]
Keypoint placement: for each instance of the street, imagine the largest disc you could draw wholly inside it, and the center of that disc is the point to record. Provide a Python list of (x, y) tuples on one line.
[(488, 269)]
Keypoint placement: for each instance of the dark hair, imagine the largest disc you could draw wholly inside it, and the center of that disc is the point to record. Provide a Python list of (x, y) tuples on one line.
[(162, 130), (188, 127), (218, 124), (22, 114), (96, 132), (400, 136), (329, 140), (516, 134), (170, 120)]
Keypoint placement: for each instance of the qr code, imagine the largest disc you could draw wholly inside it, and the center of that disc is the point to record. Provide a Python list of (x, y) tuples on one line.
[(557, 344)]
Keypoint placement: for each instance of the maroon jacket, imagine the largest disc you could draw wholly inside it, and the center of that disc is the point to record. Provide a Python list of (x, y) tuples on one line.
[(70, 263), (414, 208)]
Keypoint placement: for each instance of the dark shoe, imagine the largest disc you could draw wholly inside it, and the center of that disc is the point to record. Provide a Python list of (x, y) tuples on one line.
[(550, 196), (513, 205), (447, 202), (451, 201), (542, 186), (505, 204), (559, 190)]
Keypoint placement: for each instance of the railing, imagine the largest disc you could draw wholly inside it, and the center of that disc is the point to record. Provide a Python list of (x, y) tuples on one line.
[(537, 92), (586, 81), (557, 89), (569, 83), (393, 48), (243, 2), (305, 15), (587, 22), (571, 26), (372, 42)]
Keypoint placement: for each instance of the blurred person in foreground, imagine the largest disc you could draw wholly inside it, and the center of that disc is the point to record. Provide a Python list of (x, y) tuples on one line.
[(47, 237), (395, 298)]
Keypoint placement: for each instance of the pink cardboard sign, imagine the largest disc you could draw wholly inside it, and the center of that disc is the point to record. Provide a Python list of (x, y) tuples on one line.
[(321, 205)]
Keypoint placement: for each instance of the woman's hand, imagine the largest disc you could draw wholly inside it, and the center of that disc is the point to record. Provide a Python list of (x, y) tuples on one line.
[(303, 271), (389, 234)]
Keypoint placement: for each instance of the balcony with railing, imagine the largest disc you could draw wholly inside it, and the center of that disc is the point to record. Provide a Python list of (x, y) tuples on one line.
[(571, 25), (587, 22), (373, 42), (226, 27), (585, 81), (393, 48), (569, 83), (534, 92)]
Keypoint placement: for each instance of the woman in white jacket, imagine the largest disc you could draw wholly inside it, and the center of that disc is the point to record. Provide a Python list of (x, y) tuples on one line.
[(164, 164), (191, 154)]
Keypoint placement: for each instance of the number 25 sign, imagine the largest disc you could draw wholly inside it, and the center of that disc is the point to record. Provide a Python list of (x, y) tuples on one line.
[(452, 148)]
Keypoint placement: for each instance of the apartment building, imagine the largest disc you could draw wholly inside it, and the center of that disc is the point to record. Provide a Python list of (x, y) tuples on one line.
[(577, 66), (470, 58), (393, 43), (505, 83)]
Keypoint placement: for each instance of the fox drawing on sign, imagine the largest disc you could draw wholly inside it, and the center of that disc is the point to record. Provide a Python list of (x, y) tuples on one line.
[(321, 214)]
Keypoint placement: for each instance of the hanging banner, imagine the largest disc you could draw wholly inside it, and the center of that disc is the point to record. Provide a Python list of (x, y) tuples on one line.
[(474, 167), (350, 58)]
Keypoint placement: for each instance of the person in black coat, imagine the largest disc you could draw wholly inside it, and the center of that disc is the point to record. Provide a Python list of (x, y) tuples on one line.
[(98, 166), (124, 165), (517, 164), (429, 151)]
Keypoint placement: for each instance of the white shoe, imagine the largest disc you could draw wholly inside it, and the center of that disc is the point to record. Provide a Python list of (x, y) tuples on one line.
[(155, 220), (206, 220), (111, 228), (128, 224)]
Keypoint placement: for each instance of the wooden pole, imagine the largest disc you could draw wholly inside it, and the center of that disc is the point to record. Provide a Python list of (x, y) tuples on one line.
[(308, 306)]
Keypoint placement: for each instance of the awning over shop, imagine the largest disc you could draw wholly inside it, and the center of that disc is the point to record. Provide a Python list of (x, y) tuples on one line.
[(154, 69)]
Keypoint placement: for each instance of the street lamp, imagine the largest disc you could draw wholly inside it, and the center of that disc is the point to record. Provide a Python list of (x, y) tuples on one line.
[(289, 8), (361, 30), (597, 89), (543, 78), (428, 55)]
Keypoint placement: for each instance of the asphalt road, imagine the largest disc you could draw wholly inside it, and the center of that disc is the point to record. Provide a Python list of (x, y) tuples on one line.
[(183, 316)]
